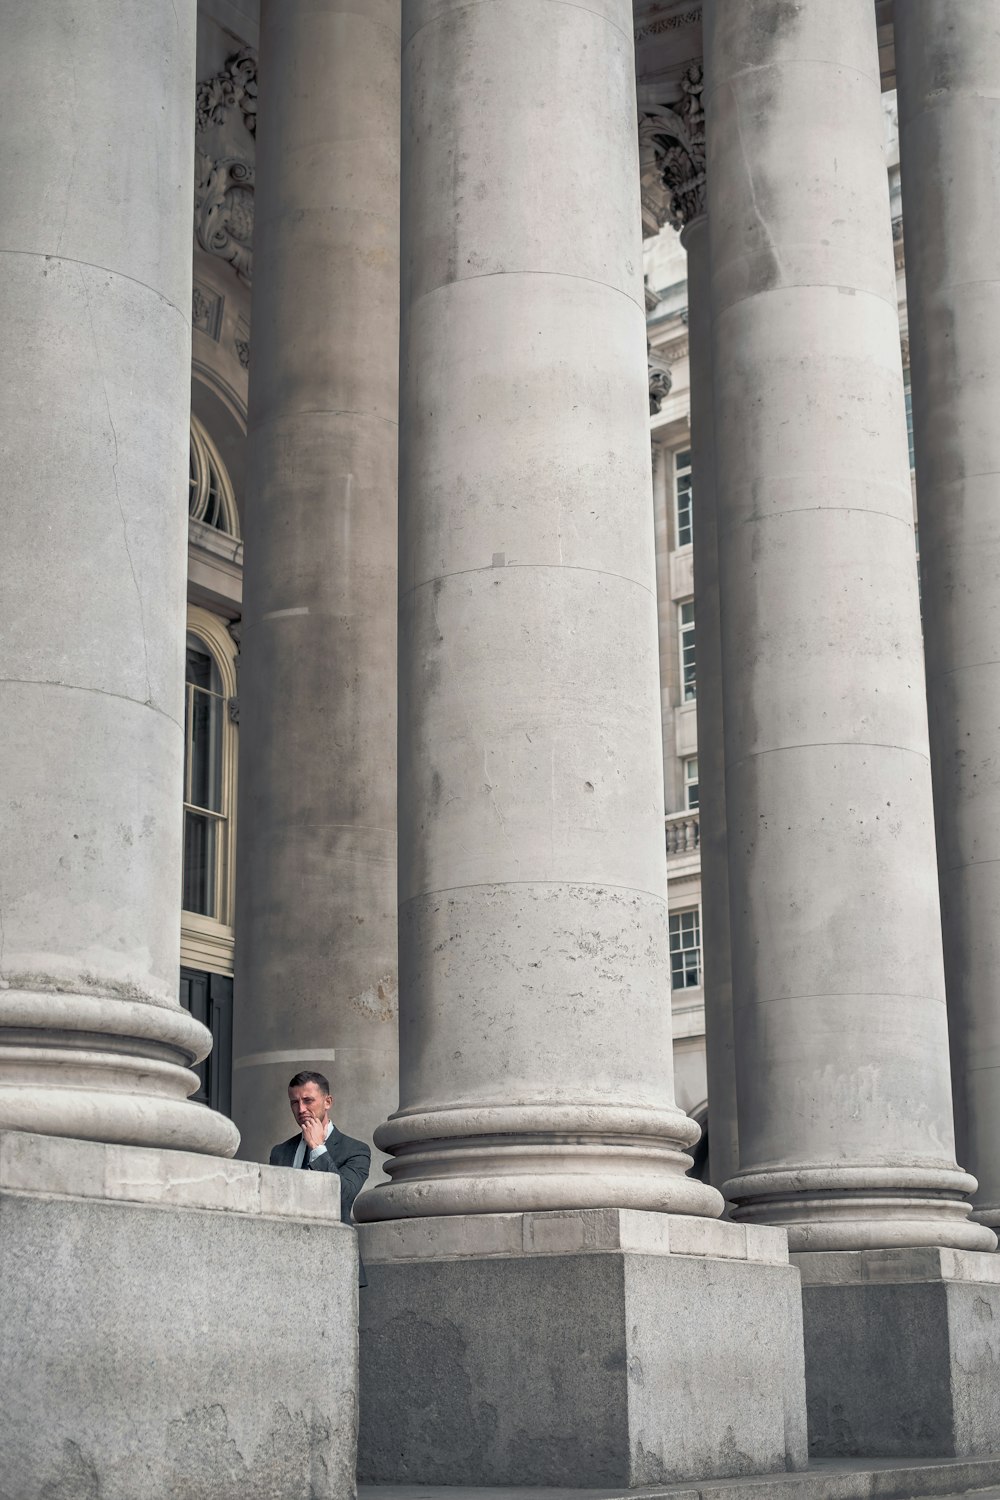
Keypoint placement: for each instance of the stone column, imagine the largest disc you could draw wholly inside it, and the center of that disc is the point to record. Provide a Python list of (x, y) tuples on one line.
[(96, 183), (316, 875), (845, 1115), (535, 1046), (717, 976), (948, 70)]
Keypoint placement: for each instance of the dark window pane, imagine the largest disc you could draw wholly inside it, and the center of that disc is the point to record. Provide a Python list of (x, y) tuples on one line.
[(209, 998), (200, 854), (201, 668)]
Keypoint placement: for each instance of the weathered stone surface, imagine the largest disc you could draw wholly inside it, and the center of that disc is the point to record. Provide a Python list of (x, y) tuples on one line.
[(316, 876), (902, 1352), (844, 1479), (846, 1132), (593, 1231), (532, 868), (174, 1351), (714, 858), (95, 391), (948, 64), (574, 1366), (136, 1174)]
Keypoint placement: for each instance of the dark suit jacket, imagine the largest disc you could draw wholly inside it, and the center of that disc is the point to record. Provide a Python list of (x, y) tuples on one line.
[(350, 1159)]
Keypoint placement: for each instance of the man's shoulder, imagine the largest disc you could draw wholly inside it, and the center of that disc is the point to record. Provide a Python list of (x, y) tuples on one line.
[(347, 1145), (283, 1149)]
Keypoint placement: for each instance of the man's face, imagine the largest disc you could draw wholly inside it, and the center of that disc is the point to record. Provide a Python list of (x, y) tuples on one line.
[(309, 1104)]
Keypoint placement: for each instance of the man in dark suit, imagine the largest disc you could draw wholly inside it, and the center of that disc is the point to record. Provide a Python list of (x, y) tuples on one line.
[(320, 1146)]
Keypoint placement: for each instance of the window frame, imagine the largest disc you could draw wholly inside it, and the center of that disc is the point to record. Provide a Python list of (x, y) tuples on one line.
[(207, 942), (681, 949), (687, 651), (683, 499), (205, 460), (908, 406), (690, 782)]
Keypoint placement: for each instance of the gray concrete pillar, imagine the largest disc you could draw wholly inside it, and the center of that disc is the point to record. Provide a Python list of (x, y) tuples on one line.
[(948, 77), (845, 1114), (96, 182), (316, 872), (535, 1046), (723, 1133)]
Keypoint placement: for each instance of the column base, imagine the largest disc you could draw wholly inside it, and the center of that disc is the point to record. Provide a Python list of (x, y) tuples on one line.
[(595, 1347), (502, 1159), (845, 1208), (902, 1349), (154, 1339), (102, 1068)]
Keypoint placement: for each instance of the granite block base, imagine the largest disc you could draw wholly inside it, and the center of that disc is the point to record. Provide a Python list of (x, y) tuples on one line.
[(902, 1352), (172, 1325), (593, 1347)]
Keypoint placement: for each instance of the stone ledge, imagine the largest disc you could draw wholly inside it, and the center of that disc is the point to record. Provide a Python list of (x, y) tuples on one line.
[(919, 1263), (829, 1479), (595, 1231), (62, 1167), (150, 1350)]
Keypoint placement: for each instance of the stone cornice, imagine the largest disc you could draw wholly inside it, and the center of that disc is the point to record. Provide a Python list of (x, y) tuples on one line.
[(657, 26)]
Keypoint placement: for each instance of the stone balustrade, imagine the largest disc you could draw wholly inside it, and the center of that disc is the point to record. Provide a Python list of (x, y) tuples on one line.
[(683, 833)]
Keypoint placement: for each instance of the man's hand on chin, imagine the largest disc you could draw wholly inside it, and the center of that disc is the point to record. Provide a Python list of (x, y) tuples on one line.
[(314, 1133)]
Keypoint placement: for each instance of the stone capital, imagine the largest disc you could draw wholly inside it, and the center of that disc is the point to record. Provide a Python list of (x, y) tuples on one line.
[(672, 157)]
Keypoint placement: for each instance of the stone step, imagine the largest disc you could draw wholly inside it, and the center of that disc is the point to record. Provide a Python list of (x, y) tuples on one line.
[(828, 1479)]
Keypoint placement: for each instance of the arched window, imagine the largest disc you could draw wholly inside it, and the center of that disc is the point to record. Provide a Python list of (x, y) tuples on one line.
[(209, 773), (210, 494)]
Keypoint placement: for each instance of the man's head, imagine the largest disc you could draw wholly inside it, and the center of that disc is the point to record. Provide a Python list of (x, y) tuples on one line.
[(309, 1097)]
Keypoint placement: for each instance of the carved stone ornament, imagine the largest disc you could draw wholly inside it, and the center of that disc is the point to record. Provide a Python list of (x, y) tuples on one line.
[(660, 380), (235, 88), (672, 157), (206, 310), (668, 23), (226, 122)]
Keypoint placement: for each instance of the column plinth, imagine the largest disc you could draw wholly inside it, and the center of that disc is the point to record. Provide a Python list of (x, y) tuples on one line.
[(845, 1112), (95, 286), (535, 1028)]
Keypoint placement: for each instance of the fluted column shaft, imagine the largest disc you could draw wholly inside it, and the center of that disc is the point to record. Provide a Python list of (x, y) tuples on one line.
[(316, 946), (535, 1047), (845, 1115), (717, 976), (948, 77), (96, 181)]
